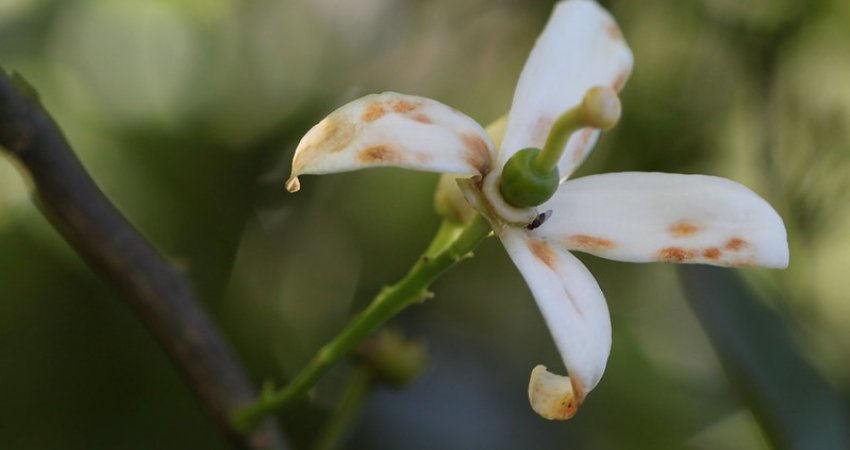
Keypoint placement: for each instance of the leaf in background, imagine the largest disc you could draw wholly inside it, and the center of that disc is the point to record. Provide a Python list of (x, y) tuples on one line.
[(792, 401)]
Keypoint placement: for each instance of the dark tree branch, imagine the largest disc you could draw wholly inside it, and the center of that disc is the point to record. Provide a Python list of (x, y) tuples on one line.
[(161, 295)]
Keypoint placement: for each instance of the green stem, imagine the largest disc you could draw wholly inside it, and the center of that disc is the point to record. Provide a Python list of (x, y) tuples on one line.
[(565, 125), (339, 423), (390, 301), (446, 234)]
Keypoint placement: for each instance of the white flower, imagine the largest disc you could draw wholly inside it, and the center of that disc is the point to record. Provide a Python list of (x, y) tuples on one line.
[(637, 217)]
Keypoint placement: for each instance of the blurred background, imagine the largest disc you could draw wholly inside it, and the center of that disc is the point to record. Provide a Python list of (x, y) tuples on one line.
[(187, 112)]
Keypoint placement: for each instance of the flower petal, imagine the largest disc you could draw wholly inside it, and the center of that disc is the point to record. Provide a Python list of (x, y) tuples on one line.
[(392, 129), (575, 311), (580, 47), (642, 217)]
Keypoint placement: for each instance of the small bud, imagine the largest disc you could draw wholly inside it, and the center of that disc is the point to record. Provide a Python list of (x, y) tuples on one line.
[(449, 201), (525, 186), (552, 396), (601, 108), (395, 360)]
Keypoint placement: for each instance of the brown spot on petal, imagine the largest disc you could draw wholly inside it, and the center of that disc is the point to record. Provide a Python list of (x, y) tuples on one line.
[(424, 158), (373, 112), (379, 154), (543, 252), (675, 254), (335, 135), (735, 244), (589, 243), (711, 253), (683, 229), (567, 408), (422, 118), (403, 106), (478, 155)]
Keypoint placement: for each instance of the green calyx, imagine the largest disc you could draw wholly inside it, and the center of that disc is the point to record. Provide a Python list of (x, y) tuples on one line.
[(524, 186)]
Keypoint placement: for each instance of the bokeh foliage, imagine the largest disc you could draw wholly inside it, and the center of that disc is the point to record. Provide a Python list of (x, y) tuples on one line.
[(187, 111)]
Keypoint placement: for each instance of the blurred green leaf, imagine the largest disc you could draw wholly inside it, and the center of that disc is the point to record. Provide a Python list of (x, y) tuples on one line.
[(768, 369)]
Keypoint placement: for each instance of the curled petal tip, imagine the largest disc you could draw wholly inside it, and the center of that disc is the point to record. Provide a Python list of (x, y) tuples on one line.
[(293, 185), (552, 396)]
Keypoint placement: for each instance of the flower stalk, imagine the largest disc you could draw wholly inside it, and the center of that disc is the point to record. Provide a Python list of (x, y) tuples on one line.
[(580, 59), (411, 289)]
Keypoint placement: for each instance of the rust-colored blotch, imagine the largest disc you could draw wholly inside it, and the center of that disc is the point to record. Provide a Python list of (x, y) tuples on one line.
[(565, 409), (379, 154), (422, 118), (373, 112), (677, 254), (590, 243), (479, 153), (735, 244), (543, 252), (711, 253), (403, 106), (683, 229), (337, 134)]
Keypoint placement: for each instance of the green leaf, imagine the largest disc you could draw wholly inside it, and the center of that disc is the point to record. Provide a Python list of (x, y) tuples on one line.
[(766, 366)]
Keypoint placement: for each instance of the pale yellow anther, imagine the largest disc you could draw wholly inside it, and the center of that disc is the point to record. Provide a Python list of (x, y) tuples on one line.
[(601, 108), (552, 396)]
